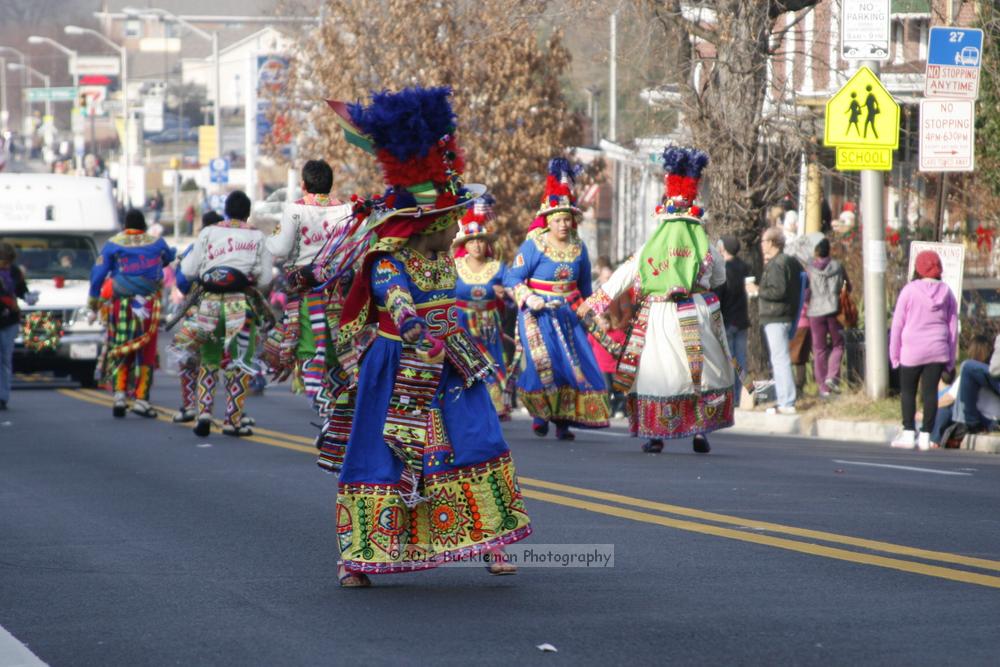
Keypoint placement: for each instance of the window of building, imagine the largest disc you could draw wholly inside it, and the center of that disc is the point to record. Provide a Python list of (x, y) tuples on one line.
[(924, 31)]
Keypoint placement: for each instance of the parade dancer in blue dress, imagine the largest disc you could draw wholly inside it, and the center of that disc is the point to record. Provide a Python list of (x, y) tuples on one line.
[(479, 294), (558, 377), (426, 477)]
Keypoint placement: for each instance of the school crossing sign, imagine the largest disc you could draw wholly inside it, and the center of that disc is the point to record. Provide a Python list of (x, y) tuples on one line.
[(862, 122)]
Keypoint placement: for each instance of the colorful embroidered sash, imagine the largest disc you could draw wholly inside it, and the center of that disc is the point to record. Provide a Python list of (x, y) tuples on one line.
[(332, 442), (477, 305), (536, 349), (559, 287), (408, 426)]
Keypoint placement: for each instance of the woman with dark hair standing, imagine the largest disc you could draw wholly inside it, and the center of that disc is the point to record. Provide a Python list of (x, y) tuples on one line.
[(922, 345), (12, 288)]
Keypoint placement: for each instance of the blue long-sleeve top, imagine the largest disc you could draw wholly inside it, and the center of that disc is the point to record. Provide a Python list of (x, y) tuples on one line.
[(540, 269), (132, 255)]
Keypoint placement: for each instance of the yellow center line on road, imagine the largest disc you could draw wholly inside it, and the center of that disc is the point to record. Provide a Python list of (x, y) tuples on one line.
[(873, 545), (301, 439), (289, 441), (104, 400), (771, 541)]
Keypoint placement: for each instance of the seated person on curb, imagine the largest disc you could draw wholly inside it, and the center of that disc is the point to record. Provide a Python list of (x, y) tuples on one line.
[(977, 390), (946, 401)]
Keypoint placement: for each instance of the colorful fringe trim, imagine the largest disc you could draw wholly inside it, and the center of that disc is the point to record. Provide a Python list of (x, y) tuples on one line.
[(466, 512), (589, 409), (407, 421), (680, 416)]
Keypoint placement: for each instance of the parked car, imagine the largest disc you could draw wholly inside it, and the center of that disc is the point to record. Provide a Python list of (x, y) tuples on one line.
[(173, 135)]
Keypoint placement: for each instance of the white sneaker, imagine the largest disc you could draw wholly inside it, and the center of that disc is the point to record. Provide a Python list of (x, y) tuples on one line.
[(782, 410), (904, 440), (924, 441)]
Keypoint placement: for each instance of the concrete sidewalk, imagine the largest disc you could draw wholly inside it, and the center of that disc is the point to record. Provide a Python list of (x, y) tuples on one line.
[(754, 422), (15, 654)]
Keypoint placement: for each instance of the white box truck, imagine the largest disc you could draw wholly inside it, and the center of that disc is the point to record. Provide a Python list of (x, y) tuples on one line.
[(57, 223)]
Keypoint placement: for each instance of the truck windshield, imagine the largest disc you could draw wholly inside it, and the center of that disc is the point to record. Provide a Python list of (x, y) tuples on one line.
[(48, 256)]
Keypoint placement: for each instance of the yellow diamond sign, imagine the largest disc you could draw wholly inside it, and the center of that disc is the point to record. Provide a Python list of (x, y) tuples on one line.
[(862, 114)]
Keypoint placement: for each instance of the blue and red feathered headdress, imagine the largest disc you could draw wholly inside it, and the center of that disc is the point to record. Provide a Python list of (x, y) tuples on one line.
[(683, 167), (411, 133), (559, 184), (477, 223), (558, 196)]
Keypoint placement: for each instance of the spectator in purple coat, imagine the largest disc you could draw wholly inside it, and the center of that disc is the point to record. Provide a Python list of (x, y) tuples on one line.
[(922, 345)]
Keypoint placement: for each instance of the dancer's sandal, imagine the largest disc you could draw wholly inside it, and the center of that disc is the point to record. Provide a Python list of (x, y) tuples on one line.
[(247, 420), (203, 427), (144, 409), (348, 579), (496, 565), (236, 431), (540, 427), (120, 407), (700, 444), (563, 433), (184, 415), (653, 446)]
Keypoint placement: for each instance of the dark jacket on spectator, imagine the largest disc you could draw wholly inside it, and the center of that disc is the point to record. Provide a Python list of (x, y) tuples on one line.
[(780, 290), (733, 295), (12, 288)]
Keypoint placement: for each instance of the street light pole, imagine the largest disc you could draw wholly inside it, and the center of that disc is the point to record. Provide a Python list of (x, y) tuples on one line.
[(72, 55), (218, 94), (24, 82), (213, 38), (126, 114), (46, 80), (4, 113), (613, 84)]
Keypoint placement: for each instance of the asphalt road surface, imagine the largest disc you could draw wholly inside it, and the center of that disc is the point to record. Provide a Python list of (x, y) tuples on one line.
[(134, 542)]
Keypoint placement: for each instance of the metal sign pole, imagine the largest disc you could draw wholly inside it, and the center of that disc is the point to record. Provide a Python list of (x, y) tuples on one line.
[(873, 223)]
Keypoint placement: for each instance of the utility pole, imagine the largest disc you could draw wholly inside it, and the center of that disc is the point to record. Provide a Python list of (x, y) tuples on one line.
[(250, 127), (873, 223), (613, 84), (4, 113)]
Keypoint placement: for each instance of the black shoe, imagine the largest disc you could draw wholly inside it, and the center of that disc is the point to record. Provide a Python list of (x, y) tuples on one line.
[(540, 427), (3, 405), (203, 428), (653, 446), (563, 432), (119, 411), (954, 434), (701, 445)]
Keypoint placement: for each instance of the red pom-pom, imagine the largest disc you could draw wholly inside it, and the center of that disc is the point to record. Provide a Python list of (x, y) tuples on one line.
[(445, 199)]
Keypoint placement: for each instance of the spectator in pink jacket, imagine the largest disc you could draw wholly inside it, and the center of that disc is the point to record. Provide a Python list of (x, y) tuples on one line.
[(922, 345)]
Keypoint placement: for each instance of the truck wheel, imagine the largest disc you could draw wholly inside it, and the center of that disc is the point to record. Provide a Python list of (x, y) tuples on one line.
[(85, 375)]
